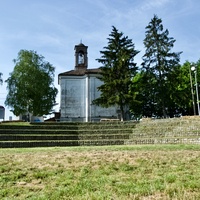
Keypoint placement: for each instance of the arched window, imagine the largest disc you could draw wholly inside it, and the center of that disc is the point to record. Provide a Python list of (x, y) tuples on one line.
[(80, 58)]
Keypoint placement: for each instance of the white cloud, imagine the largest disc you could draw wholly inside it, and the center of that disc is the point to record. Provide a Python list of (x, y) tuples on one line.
[(152, 4)]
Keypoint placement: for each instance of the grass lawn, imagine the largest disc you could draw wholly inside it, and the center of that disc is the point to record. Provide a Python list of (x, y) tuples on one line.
[(143, 172)]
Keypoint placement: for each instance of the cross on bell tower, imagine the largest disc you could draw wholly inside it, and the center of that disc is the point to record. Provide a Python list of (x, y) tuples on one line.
[(81, 60)]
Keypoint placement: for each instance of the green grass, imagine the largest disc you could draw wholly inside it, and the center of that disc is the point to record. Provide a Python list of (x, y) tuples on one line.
[(16, 123), (111, 172)]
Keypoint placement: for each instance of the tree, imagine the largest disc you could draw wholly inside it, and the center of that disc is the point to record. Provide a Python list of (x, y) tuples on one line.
[(1, 80), (158, 63), (30, 85), (183, 88), (117, 70), (145, 98)]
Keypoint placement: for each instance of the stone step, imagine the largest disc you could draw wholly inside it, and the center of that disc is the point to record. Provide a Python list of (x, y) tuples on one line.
[(59, 126), (26, 144), (29, 137), (55, 131)]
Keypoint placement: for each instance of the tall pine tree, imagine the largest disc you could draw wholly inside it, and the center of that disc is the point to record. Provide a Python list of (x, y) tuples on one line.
[(117, 70), (158, 63)]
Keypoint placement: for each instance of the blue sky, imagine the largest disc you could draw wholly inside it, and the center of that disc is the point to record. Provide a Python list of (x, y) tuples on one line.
[(53, 28)]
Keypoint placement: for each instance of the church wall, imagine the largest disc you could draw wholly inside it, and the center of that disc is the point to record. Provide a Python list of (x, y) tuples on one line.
[(76, 99), (73, 99), (97, 111)]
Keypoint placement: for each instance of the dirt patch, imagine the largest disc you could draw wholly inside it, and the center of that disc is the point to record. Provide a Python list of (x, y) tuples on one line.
[(34, 184)]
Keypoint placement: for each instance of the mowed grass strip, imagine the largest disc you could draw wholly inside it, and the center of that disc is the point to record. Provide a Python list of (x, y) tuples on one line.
[(110, 172)]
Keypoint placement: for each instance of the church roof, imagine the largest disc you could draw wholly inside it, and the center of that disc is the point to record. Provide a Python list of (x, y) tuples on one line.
[(80, 72)]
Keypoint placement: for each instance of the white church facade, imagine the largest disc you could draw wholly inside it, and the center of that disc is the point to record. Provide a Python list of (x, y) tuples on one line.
[(78, 88)]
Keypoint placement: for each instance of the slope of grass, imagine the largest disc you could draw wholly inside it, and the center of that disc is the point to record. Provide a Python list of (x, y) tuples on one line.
[(110, 172)]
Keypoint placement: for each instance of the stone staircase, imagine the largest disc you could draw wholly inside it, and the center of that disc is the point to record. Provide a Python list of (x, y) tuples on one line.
[(65, 134), (185, 130)]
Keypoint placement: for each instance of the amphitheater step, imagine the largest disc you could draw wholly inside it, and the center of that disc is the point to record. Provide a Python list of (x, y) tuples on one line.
[(49, 143)]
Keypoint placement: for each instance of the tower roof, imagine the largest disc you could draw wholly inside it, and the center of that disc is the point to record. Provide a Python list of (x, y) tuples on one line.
[(80, 45)]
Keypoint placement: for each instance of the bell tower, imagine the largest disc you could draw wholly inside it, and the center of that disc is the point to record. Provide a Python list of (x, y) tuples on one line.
[(81, 60)]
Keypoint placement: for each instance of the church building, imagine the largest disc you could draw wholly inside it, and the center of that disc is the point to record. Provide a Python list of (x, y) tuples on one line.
[(78, 88)]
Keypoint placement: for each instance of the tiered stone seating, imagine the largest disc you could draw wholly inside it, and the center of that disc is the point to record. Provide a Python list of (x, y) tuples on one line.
[(65, 134), (185, 130)]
